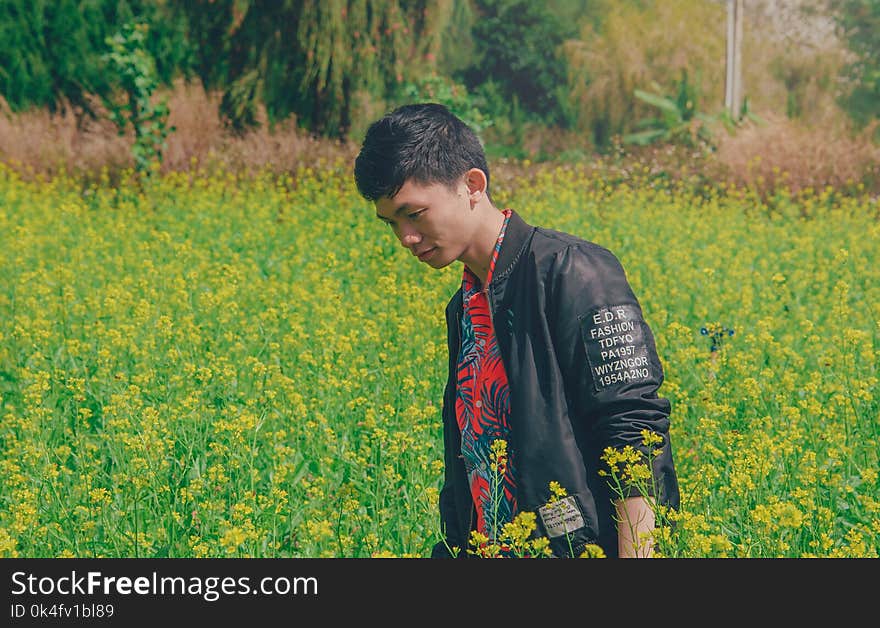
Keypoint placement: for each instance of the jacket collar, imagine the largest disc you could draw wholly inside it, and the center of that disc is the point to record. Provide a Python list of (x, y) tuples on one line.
[(515, 238)]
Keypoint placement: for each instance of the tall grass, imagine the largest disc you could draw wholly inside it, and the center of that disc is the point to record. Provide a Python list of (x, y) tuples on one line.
[(222, 364)]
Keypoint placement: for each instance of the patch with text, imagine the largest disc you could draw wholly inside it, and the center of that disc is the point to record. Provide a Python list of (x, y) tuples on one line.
[(561, 517), (614, 339)]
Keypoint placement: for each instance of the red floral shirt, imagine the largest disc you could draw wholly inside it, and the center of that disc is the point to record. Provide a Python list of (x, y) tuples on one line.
[(482, 405)]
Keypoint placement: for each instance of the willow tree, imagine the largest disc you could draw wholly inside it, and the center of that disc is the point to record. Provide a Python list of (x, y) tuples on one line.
[(330, 62), (51, 51)]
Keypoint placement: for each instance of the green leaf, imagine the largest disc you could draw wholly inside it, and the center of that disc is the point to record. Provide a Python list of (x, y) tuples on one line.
[(649, 123), (659, 101), (644, 138)]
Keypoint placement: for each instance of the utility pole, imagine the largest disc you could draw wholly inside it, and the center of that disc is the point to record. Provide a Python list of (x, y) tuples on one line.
[(733, 82)]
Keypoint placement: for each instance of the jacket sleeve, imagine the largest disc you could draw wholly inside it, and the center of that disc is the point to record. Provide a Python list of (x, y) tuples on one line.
[(609, 361)]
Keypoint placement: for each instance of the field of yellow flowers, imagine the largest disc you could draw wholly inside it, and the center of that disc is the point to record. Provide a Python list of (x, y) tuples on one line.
[(216, 364)]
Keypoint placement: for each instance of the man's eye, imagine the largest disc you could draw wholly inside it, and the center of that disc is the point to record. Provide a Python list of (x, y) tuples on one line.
[(415, 215)]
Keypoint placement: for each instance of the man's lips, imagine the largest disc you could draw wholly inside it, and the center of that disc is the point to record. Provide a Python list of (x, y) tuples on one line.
[(425, 254)]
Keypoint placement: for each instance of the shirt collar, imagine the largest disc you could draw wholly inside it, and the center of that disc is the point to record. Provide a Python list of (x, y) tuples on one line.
[(469, 280)]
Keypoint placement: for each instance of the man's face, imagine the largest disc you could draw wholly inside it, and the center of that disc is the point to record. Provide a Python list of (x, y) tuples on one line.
[(435, 223)]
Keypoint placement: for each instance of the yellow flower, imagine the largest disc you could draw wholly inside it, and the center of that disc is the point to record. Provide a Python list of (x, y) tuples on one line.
[(498, 456), (100, 496), (592, 551), (557, 491)]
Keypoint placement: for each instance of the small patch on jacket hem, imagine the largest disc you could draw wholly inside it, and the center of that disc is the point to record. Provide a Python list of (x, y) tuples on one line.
[(561, 517)]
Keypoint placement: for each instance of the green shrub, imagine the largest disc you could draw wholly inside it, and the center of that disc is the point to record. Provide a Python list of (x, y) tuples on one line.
[(135, 70)]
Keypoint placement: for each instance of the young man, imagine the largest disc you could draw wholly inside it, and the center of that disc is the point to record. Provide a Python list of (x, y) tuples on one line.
[(549, 354)]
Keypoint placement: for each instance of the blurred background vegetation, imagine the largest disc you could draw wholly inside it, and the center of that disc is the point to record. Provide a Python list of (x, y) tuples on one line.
[(279, 83)]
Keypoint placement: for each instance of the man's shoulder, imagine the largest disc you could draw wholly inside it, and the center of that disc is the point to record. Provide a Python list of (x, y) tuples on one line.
[(549, 244)]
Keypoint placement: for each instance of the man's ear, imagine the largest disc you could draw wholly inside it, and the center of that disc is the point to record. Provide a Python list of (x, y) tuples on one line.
[(476, 183)]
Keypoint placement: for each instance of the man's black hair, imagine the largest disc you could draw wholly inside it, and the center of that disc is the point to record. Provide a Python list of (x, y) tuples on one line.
[(422, 142)]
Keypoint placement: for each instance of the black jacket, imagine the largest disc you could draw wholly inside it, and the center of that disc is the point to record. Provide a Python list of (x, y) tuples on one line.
[(583, 373)]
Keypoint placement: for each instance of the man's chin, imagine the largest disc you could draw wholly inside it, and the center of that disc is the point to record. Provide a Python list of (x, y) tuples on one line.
[(437, 259), (441, 261)]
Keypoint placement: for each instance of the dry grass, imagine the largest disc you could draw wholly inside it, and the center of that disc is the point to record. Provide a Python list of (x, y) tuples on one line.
[(782, 152), (200, 135), (38, 142)]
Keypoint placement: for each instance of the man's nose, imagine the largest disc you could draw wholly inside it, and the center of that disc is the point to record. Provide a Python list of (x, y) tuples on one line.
[(409, 236)]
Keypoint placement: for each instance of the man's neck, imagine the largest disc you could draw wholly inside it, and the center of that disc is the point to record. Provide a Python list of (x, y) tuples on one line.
[(479, 259)]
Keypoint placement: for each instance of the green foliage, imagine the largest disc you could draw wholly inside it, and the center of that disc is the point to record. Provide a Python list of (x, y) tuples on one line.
[(858, 23), (51, 52), (441, 89), (679, 120), (509, 119), (209, 24), (731, 123), (238, 107), (317, 60), (46, 54), (517, 47), (135, 70)]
